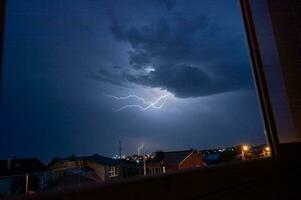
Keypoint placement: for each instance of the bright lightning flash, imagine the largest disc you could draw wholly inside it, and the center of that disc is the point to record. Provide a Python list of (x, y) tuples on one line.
[(157, 104)]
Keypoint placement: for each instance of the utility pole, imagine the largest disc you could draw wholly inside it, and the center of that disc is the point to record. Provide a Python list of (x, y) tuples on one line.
[(144, 166), (26, 184)]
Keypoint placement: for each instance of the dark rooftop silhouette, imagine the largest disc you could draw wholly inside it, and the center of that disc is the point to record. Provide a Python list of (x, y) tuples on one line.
[(20, 166)]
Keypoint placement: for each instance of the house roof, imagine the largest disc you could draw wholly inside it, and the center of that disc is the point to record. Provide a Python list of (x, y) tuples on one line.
[(20, 166), (75, 179), (58, 159), (102, 160), (94, 158), (174, 157)]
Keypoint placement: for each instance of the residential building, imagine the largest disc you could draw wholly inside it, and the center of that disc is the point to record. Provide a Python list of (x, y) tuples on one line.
[(174, 160), (103, 167), (19, 176), (106, 168)]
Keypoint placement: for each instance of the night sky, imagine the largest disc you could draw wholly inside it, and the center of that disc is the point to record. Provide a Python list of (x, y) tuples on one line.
[(81, 75)]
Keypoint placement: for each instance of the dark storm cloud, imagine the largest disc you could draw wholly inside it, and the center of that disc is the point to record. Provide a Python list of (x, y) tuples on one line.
[(183, 80), (183, 50), (175, 39), (117, 78), (139, 58)]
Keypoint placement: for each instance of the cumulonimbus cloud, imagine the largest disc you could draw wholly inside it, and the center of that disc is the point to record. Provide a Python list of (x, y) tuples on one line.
[(176, 47)]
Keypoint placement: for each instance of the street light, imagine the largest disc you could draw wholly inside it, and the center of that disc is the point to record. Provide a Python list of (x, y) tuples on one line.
[(267, 151), (245, 148)]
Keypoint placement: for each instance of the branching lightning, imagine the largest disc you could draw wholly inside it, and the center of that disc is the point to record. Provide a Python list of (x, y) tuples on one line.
[(157, 104), (128, 97)]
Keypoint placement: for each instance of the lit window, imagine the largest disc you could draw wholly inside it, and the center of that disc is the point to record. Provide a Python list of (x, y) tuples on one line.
[(113, 171)]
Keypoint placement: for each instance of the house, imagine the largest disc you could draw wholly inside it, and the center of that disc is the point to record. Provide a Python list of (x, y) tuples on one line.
[(74, 180), (77, 177), (211, 158), (104, 168), (60, 164), (174, 160), (15, 173), (20, 166)]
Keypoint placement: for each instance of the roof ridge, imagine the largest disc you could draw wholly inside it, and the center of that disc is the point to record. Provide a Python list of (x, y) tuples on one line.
[(191, 150)]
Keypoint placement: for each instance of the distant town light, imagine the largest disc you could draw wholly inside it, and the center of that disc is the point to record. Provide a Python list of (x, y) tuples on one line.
[(267, 149)]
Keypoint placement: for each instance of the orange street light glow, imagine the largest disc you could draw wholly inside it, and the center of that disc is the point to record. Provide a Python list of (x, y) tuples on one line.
[(245, 148)]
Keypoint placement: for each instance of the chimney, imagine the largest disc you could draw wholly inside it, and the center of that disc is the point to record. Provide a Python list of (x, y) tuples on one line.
[(8, 163)]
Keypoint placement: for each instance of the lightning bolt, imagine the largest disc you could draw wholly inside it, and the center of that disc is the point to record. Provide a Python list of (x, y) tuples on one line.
[(139, 148), (128, 97), (148, 104)]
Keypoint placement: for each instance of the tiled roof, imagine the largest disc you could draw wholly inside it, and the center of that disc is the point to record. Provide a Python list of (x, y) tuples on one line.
[(174, 157), (101, 160), (75, 179)]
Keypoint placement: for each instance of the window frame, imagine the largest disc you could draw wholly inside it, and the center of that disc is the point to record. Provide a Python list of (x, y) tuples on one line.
[(113, 171)]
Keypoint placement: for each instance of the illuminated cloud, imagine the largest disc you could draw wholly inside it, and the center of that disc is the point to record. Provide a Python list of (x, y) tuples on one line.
[(191, 55)]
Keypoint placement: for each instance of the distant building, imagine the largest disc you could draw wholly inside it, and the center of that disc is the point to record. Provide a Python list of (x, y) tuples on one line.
[(174, 160), (257, 151)]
